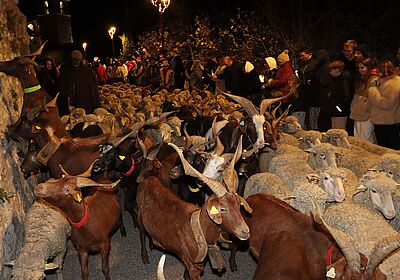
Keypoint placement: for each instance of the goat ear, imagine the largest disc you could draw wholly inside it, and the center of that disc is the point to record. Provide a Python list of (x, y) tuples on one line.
[(76, 195), (244, 203), (176, 172), (214, 212)]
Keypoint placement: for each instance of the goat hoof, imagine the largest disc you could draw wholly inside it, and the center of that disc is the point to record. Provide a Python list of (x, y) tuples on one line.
[(233, 266), (145, 260), (123, 231)]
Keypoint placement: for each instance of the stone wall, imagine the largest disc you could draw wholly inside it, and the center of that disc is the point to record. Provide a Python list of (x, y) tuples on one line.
[(14, 41)]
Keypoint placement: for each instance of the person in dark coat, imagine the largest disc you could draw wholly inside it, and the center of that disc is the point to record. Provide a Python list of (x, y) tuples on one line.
[(250, 84), (48, 76), (232, 74), (78, 86), (337, 104), (307, 88)]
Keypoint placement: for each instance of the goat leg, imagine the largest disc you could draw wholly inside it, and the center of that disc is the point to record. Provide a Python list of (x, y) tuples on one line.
[(122, 227), (142, 233), (232, 257), (83, 260), (105, 257)]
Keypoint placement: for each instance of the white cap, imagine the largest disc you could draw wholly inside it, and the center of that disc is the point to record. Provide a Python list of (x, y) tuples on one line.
[(248, 67), (271, 62)]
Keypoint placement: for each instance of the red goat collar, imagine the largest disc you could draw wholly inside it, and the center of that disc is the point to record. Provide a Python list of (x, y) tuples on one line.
[(82, 222), (329, 255), (131, 169)]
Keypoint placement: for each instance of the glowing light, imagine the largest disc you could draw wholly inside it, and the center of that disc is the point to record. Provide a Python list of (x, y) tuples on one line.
[(111, 32), (162, 5)]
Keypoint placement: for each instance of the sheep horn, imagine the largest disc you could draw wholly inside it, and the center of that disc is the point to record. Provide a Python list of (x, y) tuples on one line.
[(86, 182), (268, 102), (160, 268), (382, 249), (343, 240), (229, 175), (275, 122), (142, 147), (214, 185), (246, 104)]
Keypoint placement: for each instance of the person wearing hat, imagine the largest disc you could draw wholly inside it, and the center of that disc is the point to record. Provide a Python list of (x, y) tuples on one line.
[(167, 76), (250, 84), (78, 86), (152, 74), (280, 83)]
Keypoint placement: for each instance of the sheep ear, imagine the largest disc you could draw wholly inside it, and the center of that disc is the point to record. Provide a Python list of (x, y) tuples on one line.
[(360, 188), (10, 263), (50, 266)]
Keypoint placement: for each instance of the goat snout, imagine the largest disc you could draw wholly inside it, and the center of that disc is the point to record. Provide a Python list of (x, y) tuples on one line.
[(244, 234)]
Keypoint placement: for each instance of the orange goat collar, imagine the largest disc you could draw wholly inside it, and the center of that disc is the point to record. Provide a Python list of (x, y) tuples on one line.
[(82, 222)]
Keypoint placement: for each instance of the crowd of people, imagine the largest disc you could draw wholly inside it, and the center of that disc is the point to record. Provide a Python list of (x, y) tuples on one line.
[(350, 91)]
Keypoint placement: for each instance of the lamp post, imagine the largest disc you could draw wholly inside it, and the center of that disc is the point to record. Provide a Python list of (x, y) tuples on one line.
[(111, 32), (162, 5), (84, 45)]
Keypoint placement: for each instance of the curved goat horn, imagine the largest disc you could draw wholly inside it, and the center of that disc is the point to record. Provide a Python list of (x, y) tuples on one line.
[(116, 142), (64, 172), (39, 50), (152, 155), (246, 104), (229, 175), (381, 250), (189, 138), (142, 147), (343, 240), (86, 182), (276, 122), (88, 172), (214, 185), (52, 103), (160, 268), (268, 102)]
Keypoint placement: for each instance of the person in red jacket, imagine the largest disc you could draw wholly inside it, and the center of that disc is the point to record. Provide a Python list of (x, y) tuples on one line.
[(280, 83)]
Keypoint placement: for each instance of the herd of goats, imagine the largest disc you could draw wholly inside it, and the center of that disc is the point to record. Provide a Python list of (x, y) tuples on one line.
[(312, 205)]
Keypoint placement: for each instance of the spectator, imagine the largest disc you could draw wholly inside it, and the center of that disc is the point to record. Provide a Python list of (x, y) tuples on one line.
[(384, 97), (360, 108), (48, 76), (78, 86), (250, 85), (101, 73), (307, 89), (231, 74), (153, 74), (280, 82), (324, 81), (167, 76), (179, 74), (121, 72), (337, 105), (219, 83), (195, 75)]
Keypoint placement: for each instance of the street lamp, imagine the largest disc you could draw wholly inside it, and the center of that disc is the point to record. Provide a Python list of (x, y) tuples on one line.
[(162, 5), (111, 32), (84, 45)]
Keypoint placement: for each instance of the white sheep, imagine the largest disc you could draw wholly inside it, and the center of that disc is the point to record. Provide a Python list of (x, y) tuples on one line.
[(299, 198), (45, 237)]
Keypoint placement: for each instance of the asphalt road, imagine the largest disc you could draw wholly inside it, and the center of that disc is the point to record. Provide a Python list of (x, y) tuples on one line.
[(126, 262)]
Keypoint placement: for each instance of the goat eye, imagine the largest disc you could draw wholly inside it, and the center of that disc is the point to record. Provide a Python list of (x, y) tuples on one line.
[(326, 178), (66, 191), (223, 210), (374, 191)]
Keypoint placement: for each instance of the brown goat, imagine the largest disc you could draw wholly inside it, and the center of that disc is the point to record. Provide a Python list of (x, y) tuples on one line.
[(289, 245), (170, 221), (99, 215), (23, 68)]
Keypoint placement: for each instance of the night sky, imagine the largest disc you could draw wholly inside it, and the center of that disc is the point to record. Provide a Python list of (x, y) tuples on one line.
[(91, 19)]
